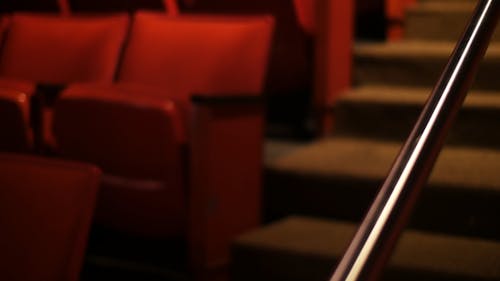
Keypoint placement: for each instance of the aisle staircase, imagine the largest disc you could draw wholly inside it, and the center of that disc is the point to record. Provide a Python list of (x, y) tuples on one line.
[(315, 195)]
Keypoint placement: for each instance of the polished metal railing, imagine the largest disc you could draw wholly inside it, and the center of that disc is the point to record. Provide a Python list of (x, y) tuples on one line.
[(378, 233)]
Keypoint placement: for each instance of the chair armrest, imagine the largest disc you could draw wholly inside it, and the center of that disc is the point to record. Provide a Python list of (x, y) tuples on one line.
[(15, 120), (15, 102), (226, 140), (18, 92), (18, 99)]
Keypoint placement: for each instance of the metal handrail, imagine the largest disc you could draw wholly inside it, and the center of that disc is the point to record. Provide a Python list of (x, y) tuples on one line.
[(378, 233)]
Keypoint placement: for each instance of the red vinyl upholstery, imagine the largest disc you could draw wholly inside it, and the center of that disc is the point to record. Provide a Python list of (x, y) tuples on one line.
[(46, 207), (50, 49), (141, 135), (163, 53), (60, 50), (198, 54), (290, 71), (139, 141), (292, 61)]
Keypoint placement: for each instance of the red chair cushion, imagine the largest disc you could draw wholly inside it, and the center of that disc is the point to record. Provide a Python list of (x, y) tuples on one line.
[(139, 142), (59, 50), (198, 54), (45, 212)]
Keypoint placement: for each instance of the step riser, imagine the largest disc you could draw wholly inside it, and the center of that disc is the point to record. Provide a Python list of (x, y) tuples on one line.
[(417, 71), (475, 126), (440, 209)]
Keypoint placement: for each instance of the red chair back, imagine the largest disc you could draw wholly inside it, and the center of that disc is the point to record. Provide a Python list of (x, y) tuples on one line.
[(291, 60), (198, 54), (137, 134), (46, 207), (60, 50)]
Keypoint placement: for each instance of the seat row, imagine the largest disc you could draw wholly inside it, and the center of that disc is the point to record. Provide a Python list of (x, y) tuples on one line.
[(166, 106), (292, 61)]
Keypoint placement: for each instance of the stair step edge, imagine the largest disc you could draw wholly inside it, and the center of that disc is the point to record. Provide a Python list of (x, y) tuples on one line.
[(411, 96), (457, 167), (416, 250), (419, 48), (442, 7)]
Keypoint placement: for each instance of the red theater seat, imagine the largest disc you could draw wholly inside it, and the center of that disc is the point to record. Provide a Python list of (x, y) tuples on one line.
[(54, 50), (168, 161), (45, 212), (139, 141)]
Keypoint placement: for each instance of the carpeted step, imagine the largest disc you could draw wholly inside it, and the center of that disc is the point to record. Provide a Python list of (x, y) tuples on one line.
[(383, 112), (439, 20), (306, 249), (416, 64), (448, 1), (338, 178)]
